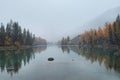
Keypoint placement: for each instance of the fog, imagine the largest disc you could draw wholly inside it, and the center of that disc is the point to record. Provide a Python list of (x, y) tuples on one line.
[(54, 19)]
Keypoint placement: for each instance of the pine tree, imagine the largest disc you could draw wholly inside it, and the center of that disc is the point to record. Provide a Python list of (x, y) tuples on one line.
[(28, 37), (15, 32), (13, 35), (110, 34), (8, 40), (24, 37), (20, 35), (118, 28), (2, 35)]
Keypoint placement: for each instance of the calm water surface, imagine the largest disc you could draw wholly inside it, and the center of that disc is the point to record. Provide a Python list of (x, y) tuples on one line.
[(71, 63)]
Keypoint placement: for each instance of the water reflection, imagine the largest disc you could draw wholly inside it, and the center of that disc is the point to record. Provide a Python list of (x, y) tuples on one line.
[(65, 49), (109, 57), (12, 61)]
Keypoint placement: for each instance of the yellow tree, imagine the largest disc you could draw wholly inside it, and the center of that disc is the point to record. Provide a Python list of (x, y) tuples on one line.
[(100, 33), (106, 31)]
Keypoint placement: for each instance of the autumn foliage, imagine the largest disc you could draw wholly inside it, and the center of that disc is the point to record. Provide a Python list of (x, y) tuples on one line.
[(13, 35), (109, 34)]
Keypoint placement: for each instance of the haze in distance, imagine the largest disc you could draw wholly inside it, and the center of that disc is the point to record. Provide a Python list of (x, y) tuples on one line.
[(53, 19)]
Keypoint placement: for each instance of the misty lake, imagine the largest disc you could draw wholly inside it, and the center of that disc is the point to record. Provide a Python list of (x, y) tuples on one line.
[(70, 63)]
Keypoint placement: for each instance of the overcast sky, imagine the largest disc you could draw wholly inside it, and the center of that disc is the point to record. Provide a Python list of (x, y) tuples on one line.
[(52, 19)]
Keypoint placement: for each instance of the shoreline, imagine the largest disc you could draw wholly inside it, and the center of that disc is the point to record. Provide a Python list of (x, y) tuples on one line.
[(14, 47), (96, 46)]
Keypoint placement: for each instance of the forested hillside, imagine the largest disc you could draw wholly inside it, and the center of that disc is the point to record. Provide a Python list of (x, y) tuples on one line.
[(109, 34), (13, 35)]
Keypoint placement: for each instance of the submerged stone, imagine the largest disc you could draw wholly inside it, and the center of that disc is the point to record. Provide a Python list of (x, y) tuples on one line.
[(50, 59), (10, 68)]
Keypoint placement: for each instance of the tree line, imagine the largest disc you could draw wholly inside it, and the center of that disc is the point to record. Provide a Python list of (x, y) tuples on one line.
[(39, 41), (13, 35), (109, 34), (16, 60), (65, 41)]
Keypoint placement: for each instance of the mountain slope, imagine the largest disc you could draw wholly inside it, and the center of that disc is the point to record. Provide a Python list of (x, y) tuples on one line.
[(75, 40), (106, 17)]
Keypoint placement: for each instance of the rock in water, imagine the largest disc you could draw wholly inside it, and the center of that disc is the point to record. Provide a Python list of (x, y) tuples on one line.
[(50, 59)]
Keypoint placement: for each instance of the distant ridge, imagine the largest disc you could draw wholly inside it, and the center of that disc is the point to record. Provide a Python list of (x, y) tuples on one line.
[(108, 16), (75, 40)]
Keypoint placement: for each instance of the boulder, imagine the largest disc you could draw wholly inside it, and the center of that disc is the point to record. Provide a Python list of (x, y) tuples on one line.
[(50, 59)]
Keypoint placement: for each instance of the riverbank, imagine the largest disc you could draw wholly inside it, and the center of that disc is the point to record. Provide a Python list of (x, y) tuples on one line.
[(14, 47), (105, 46)]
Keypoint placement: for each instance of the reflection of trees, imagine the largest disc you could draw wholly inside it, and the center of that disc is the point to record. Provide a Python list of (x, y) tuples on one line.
[(12, 61), (108, 57), (39, 49), (65, 49)]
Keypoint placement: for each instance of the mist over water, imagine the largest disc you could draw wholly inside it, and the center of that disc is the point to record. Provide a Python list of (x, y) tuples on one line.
[(55, 18), (70, 63)]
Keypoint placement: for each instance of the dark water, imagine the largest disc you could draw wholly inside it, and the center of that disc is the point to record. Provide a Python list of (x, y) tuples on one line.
[(71, 63)]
